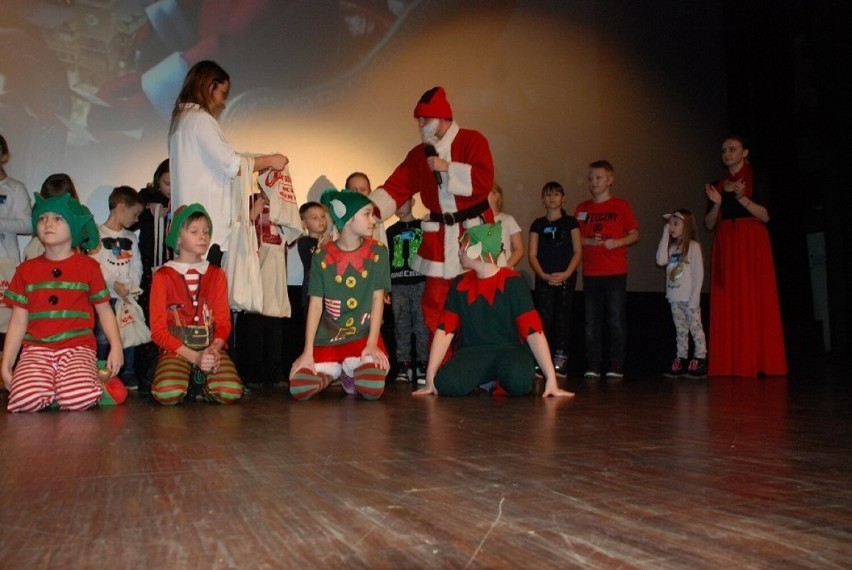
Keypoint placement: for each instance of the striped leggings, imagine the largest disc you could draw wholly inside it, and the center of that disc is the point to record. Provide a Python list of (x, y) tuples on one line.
[(173, 374), (68, 376)]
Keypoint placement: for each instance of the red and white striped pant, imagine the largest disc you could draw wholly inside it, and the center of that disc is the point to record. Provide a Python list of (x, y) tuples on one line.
[(68, 376)]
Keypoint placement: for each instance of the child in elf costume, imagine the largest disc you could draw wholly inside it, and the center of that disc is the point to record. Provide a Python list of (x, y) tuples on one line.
[(54, 298), (489, 308), (190, 318), (348, 281)]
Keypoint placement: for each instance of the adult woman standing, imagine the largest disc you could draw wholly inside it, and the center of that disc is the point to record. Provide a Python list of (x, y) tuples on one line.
[(202, 162), (746, 336)]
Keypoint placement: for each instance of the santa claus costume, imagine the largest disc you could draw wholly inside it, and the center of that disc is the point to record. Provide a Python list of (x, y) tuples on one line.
[(458, 202)]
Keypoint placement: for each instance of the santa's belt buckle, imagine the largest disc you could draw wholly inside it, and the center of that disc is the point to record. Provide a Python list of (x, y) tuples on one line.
[(449, 218)]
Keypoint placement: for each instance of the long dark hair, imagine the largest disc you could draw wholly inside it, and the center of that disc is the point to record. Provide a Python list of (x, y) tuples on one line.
[(161, 169), (196, 88)]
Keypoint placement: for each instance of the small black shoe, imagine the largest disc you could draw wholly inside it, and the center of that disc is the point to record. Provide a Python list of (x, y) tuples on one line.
[(678, 368), (420, 373), (130, 380), (404, 373), (698, 368)]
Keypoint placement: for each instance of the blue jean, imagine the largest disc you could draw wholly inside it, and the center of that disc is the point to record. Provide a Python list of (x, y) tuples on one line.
[(606, 301)]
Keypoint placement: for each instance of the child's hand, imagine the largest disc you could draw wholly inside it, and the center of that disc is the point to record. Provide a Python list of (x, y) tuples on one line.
[(121, 289), (6, 373), (558, 278), (115, 360), (257, 207), (551, 388), (210, 358), (372, 352), (427, 390), (596, 239), (305, 360), (207, 362)]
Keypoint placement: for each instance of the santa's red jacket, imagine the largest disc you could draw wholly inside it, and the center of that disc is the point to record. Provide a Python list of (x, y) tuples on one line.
[(464, 187)]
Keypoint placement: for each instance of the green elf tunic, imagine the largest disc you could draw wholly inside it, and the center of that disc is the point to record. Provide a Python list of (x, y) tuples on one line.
[(346, 281), (491, 319)]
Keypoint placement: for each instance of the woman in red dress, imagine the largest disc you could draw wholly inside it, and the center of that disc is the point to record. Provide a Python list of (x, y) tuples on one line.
[(746, 336)]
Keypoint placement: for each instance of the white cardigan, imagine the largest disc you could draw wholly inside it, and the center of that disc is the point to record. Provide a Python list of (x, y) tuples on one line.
[(202, 164)]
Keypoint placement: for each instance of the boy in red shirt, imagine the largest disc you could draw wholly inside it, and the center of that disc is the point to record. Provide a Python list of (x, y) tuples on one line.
[(607, 227), (54, 297)]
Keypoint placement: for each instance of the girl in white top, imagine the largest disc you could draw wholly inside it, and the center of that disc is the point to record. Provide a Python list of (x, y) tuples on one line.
[(15, 209), (680, 252), (202, 162), (513, 242)]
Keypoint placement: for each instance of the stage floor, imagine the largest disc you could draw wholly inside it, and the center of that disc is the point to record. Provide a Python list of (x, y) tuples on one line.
[(646, 473)]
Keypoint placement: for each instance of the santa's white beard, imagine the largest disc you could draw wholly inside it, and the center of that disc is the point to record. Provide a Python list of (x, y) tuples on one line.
[(429, 131)]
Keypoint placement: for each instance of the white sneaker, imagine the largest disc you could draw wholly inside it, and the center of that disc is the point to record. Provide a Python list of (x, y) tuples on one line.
[(404, 374), (559, 362), (420, 374)]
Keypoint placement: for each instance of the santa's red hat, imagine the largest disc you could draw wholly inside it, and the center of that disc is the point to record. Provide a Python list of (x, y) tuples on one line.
[(434, 104)]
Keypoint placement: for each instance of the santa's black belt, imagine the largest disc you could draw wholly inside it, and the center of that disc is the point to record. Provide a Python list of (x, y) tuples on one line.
[(451, 218)]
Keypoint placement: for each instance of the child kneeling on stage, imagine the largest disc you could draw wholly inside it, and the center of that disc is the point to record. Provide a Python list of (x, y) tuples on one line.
[(52, 298), (191, 319), (489, 308), (346, 290)]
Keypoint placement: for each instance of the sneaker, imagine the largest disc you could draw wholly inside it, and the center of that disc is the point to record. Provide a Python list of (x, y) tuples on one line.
[(592, 375), (559, 362), (677, 368), (614, 375), (404, 374), (421, 373), (697, 368), (130, 380)]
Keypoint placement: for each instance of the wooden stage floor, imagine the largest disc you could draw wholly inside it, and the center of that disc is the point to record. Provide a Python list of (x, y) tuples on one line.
[(647, 473)]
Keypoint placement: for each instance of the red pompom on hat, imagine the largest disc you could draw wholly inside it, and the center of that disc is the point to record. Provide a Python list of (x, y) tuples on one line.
[(434, 104)]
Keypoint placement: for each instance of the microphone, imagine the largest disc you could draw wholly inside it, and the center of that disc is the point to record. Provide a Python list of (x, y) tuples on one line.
[(430, 150)]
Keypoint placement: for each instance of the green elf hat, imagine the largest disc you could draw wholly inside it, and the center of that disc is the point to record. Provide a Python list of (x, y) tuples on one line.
[(484, 241), (343, 204), (84, 231), (179, 219)]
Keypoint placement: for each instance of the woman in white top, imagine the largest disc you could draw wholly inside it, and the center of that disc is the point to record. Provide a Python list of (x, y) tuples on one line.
[(15, 209), (202, 162), (513, 242)]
